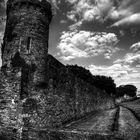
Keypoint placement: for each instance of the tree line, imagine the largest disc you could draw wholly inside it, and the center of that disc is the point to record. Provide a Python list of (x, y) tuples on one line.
[(103, 82)]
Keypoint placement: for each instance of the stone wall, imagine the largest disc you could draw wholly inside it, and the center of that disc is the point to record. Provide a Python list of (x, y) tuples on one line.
[(26, 34), (10, 104), (69, 96), (64, 98)]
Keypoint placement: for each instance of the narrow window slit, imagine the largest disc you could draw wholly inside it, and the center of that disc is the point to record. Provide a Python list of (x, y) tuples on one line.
[(28, 44), (19, 44)]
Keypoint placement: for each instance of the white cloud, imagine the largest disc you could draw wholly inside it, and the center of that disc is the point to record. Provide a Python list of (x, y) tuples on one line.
[(130, 66), (89, 10), (67, 58), (132, 58), (77, 44), (72, 16), (122, 74), (135, 47), (132, 21), (116, 70), (126, 13)]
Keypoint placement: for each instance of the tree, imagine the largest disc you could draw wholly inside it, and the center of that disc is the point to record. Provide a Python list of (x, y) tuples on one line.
[(80, 72), (102, 82), (120, 91), (129, 90)]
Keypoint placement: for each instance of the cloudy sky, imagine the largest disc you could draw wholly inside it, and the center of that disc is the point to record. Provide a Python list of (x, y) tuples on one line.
[(100, 35)]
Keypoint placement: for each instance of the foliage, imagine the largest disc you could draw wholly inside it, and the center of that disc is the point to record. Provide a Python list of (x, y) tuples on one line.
[(129, 90), (80, 72), (120, 91), (102, 82), (105, 83)]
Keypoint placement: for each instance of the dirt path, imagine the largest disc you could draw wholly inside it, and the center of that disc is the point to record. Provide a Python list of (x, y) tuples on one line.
[(102, 122), (122, 122)]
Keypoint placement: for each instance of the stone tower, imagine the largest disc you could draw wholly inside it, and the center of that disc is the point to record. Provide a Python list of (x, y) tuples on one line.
[(24, 57), (26, 35)]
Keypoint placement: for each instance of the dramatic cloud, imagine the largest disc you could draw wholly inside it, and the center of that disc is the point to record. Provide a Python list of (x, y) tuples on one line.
[(122, 74), (89, 10), (123, 71), (132, 21), (127, 14), (74, 44), (124, 9), (123, 13), (132, 58), (116, 70), (136, 48)]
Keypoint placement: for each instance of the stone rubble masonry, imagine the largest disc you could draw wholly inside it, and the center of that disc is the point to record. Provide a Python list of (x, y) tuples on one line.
[(75, 96), (26, 34), (36, 90)]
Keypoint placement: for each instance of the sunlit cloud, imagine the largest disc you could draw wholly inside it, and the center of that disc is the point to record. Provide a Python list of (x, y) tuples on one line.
[(132, 21), (136, 47), (83, 44), (89, 10), (122, 74), (132, 58), (123, 13)]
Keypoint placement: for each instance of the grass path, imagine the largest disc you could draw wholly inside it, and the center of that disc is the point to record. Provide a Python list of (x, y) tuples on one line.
[(129, 125)]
